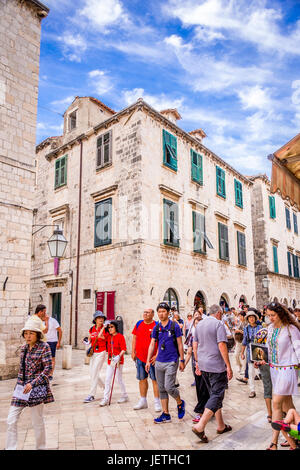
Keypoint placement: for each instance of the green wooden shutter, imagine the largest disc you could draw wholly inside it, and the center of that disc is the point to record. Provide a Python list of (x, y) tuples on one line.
[(196, 166), (241, 242), (272, 207), (171, 223), (103, 222), (169, 150), (238, 188), (57, 174), (288, 219), (199, 232), (275, 259), (220, 177), (223, 241), (289, 260), (295, 223), (295, 266)]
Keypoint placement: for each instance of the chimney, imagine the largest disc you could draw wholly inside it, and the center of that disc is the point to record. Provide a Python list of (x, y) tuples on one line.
[(171, 114), (199, 134)]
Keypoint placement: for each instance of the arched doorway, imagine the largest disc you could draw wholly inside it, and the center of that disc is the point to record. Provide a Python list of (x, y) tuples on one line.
[(199, 301), (242, 301), (285, 302), (275, 300), (224, 301), (294, 303), (171, 298)]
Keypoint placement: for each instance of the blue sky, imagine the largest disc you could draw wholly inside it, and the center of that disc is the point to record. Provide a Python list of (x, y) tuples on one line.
[(230, 67)]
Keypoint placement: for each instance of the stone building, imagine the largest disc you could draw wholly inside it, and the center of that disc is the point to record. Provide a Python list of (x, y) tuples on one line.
[(20, 29), (149, 212), (276, 245)]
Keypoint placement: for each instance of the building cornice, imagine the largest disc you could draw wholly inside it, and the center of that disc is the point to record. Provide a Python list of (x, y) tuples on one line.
[(42, 9)]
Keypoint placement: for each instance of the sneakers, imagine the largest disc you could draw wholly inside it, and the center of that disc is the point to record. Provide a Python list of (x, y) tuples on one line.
[(103, 402), (181, 410), (163, 418), (196, 419), (141, 405), (123, 399), (157, 406), (89, 399)]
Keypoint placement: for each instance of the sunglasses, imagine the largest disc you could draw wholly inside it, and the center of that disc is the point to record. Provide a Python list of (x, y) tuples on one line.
[(111, 327)]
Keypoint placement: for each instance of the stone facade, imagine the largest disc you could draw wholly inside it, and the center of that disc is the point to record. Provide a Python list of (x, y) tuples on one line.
[(273, 232), (20, 26), (136, 265)]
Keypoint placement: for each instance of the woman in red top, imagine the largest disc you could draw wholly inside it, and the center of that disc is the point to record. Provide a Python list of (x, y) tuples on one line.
[(98, 338), (116, 347)]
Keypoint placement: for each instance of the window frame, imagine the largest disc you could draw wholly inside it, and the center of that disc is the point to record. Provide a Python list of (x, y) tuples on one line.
[(220, 225), (59, 170), (170, 147), (272, 207), (242, 249), (71, 119), (167, 206), (238, 190), (220, 177), (108, 241), (289, 262), (196, 167), (102, 148), (295, 222), (275, 259), (288, 218)]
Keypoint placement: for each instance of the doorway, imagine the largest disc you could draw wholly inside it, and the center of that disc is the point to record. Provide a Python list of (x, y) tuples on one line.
[(56, 306)]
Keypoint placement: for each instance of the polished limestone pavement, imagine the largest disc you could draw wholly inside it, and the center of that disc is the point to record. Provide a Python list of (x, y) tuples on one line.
[(72, 424)]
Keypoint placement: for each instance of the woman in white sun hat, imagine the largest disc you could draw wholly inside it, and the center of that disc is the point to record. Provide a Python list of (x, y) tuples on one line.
[(32, 388)]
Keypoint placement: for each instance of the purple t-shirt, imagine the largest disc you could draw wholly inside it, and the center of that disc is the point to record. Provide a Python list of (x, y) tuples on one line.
[(169, 354)]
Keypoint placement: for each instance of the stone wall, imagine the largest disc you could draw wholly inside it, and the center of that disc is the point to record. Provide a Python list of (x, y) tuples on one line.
[(19, 67)]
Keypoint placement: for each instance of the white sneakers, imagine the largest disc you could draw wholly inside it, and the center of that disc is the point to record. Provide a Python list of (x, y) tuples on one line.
[(122, 400), (103, 402), (142, 404)]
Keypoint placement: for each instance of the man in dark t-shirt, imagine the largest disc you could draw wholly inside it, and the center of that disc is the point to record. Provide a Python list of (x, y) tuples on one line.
[(141, 338)]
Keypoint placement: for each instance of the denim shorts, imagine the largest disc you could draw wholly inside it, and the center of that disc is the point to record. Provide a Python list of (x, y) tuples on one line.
[(53, 347), (141, 373)]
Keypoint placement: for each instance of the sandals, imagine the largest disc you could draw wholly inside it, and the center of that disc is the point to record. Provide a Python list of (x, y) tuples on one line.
[(243, 381), (226, 429), (252, 395), (285, 444), (271, 446), (201, 435)]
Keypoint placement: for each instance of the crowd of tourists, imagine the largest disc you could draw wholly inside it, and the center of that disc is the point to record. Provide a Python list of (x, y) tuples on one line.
[(264, 344)]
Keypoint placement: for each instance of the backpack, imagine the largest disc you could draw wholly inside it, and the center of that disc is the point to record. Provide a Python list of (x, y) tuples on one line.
[(172, 330), (141, 321)]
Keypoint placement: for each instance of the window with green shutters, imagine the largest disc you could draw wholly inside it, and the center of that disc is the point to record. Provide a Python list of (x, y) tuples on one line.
[(275, 259), (289, 260), (288, 218), (170, 150), (295, 265), (223, 241), (241, 243), (272, 207), (196, 166), (103, 222), (60, 172), (220, 174), (104, 150), (171, 223), (238, 189), (295, 223)]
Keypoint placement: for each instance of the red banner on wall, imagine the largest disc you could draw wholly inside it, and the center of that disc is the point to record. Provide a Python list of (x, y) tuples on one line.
[(100, 301), (110, 305)]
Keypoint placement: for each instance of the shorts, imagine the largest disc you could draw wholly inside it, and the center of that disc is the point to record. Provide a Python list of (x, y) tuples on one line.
[(53, 347), (141, 374)]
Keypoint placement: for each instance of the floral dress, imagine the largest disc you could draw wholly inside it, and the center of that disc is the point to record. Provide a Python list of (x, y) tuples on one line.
[(284, 357)]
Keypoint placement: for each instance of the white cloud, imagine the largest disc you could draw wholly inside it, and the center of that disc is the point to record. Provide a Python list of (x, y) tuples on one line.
[(159, 102), (102, 14), (250, 21), (74, 45), (255, 97), (100, 81), (61, 105)]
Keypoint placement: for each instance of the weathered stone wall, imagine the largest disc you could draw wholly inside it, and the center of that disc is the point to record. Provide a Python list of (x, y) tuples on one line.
[(266, 233), (19, 67)]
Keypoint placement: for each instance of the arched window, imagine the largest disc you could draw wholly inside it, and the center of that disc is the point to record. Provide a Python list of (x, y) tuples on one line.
[(199, 301), (224, 301), (171, 298)]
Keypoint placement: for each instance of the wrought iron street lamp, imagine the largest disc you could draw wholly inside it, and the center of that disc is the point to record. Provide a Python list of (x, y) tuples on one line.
[(57, 243), (266, 282)]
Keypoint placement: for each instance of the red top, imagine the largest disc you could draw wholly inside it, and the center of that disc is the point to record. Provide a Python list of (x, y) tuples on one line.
[(143, 339), (116, 344), (101, 343)]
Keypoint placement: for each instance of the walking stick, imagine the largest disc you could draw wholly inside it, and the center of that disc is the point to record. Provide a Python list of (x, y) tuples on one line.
[(112, 385)]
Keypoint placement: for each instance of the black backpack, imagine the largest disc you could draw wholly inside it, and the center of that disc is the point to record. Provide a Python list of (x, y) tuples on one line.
[(172, 330)]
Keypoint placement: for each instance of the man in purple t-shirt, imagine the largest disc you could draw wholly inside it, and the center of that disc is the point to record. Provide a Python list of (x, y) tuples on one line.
[(168, 335)]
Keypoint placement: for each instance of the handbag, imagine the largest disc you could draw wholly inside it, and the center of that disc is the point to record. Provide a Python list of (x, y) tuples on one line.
[(91, 349)]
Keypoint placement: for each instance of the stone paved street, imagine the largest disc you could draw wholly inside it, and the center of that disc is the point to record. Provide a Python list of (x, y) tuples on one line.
[(71, 424)]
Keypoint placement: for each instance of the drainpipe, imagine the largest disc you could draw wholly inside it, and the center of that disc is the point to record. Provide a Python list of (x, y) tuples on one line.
[(71, 306), (78, 245)]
